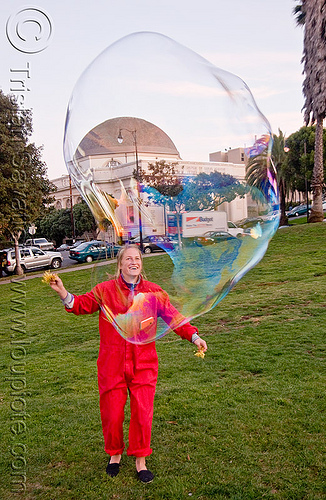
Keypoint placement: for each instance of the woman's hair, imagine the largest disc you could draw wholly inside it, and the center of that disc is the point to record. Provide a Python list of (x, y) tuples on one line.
[(120, 255)]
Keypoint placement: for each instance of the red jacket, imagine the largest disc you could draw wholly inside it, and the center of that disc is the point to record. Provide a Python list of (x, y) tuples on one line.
[(115, 298)]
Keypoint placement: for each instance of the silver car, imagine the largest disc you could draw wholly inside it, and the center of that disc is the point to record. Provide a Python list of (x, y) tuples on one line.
[(32, 258)]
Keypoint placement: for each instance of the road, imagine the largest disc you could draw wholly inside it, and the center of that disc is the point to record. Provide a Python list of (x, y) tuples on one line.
[(67, 266), (66, 261)]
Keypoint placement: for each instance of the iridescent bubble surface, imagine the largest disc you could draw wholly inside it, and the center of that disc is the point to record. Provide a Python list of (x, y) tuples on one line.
[(162, 143)]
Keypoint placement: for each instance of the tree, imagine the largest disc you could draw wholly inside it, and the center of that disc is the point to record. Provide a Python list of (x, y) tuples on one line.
[(201, 192), (209, 191), (163, 186), (162, 176), (257, 170), (279, 160), (84, 220), (300, 158), (299, 14), (24, 187), (312, 15), (56, 224)]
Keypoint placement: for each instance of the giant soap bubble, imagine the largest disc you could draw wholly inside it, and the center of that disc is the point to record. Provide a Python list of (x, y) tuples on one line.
[(141, 123)]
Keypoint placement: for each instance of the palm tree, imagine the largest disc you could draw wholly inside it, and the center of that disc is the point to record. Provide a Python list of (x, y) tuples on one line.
[(312, 15), (256, 171), (279, 160)]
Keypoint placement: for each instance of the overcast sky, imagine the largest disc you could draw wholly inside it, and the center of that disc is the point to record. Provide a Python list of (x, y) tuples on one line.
[(52, 42)]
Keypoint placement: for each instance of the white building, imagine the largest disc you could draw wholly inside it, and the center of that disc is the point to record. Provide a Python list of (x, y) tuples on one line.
[(106, 162)]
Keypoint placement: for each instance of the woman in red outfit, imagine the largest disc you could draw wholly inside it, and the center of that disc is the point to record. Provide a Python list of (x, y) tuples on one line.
[(124, 366)]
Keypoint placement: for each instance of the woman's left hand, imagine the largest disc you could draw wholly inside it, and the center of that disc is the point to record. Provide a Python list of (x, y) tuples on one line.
[(201, 344)]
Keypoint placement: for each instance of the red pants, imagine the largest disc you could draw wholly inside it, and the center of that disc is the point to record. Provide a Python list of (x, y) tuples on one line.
[(131, 368)]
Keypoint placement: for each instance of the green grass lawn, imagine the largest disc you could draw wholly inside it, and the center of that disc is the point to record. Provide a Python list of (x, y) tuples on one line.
[(247, 422)]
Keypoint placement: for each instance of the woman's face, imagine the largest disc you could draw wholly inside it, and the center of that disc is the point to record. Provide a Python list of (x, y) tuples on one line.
[(131, 265)]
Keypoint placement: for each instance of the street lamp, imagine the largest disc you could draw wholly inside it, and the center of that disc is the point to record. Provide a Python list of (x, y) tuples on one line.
[(71, 212), (120, 141)]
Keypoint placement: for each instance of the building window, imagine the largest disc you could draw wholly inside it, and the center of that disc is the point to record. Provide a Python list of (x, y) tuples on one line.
[(58, 205), (130, 215), (112, 163), (242, 157)]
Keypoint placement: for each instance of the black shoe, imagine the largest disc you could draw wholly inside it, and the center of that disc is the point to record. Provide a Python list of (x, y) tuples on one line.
[(112, 470), (145, 476)]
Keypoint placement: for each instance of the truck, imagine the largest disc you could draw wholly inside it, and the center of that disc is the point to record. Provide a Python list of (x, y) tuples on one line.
[(198, 223), (41, 243)]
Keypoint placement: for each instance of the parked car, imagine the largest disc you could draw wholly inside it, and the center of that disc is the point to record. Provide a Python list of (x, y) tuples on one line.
[(154, 243), (234, 229), (42, 243), (63, 247), (67, 246), (77, 243), (299, 210), (32, 258), (94, 250), (249, 222), (211, 237), (324, 206)]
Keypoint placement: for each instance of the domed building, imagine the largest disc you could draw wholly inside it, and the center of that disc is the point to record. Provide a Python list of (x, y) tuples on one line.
[(111, 152), (151, 141)]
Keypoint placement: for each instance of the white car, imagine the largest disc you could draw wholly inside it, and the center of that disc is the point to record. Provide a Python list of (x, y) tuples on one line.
[(32, 258), (233, 229)]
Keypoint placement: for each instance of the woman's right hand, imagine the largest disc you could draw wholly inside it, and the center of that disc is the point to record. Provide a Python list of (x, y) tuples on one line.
[(57, 286)]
